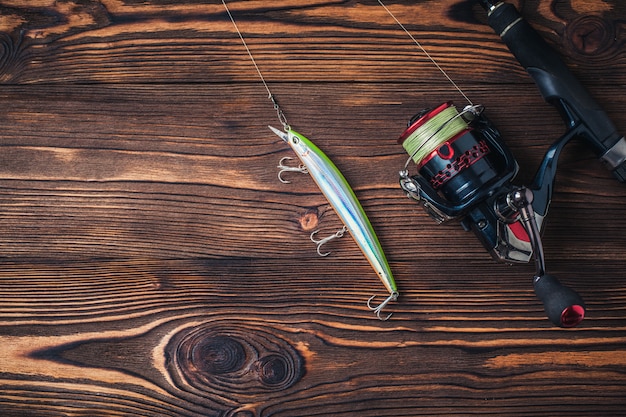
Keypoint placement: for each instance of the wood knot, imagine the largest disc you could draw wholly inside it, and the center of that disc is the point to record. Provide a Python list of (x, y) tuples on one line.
[(218, 355), (590, 35), (310, 220), (10, 52), (233, 360), (275, 370)]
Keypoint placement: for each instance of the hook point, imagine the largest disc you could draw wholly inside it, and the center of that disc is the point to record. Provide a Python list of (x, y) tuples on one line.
[(285, 168), (392, 297), (327, 239)]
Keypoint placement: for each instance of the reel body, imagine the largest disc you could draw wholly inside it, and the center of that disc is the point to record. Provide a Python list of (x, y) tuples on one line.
[(465, 174), (467, 178)]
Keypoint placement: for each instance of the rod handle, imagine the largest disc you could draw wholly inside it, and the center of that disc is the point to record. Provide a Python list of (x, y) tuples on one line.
[(558, 85)]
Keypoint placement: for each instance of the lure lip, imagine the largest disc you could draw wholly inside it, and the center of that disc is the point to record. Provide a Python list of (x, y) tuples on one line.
[(284, 136)]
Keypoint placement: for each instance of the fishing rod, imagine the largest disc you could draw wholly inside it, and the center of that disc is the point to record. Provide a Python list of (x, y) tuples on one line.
[(466, 172)]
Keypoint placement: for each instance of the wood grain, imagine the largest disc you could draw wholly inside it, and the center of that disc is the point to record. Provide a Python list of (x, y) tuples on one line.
[(151, 263), (120, 42), (213, 337)]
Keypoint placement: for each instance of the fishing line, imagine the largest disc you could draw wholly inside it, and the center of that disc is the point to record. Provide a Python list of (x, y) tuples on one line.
[(436, 129), (279, 112), (425, 52)]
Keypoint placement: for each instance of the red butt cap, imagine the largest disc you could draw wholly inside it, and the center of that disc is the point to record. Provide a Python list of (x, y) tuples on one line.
[(572, 316)]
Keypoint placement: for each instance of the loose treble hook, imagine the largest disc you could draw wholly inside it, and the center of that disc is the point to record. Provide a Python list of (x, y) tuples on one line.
[(392, 297), (286, 168), (327, 239)]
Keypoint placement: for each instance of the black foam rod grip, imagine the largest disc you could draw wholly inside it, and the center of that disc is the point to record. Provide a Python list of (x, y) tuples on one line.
[(564, 307), (556, 83)]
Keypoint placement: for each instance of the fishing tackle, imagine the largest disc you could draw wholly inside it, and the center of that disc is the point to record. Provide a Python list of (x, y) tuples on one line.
[(285, 168), (341, 197), (465, 171), (337, 191), (339, 233)]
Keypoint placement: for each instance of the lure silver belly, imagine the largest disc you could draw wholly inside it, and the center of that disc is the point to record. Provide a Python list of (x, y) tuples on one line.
[(341, 197)]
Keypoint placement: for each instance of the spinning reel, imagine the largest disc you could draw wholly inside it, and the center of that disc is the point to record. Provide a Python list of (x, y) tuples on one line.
[(465, 171)]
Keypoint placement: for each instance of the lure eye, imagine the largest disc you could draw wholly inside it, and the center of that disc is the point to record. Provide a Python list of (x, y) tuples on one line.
[(295, 140)]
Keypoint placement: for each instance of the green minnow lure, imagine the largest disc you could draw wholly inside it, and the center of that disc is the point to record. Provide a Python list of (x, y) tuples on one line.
[(341, 197)]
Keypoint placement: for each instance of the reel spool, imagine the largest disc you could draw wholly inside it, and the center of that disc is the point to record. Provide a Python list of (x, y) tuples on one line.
[(464, 174), (448, 154), (460, 159)]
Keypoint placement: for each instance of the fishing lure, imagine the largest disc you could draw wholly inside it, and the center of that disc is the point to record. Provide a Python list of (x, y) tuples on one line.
[(337, 191)]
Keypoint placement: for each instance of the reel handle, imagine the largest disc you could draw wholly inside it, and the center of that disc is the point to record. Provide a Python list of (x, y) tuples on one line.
[(563, 306), (558, 86)]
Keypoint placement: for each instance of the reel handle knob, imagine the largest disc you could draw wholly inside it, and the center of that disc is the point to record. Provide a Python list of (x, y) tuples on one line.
[(563, 306)]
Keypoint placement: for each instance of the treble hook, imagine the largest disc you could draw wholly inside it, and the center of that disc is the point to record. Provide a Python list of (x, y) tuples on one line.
[(286, 168), (327, 239), (377, 310)]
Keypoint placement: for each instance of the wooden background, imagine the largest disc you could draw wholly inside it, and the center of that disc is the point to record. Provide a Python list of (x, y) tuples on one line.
[(153, 265)]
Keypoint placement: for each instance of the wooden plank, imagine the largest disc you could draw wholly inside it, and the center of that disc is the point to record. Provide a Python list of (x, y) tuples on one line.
[(114, 41), (153, 172), (193, 338)]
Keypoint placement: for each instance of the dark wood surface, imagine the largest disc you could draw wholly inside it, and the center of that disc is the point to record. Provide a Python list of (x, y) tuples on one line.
[(151, 263)]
